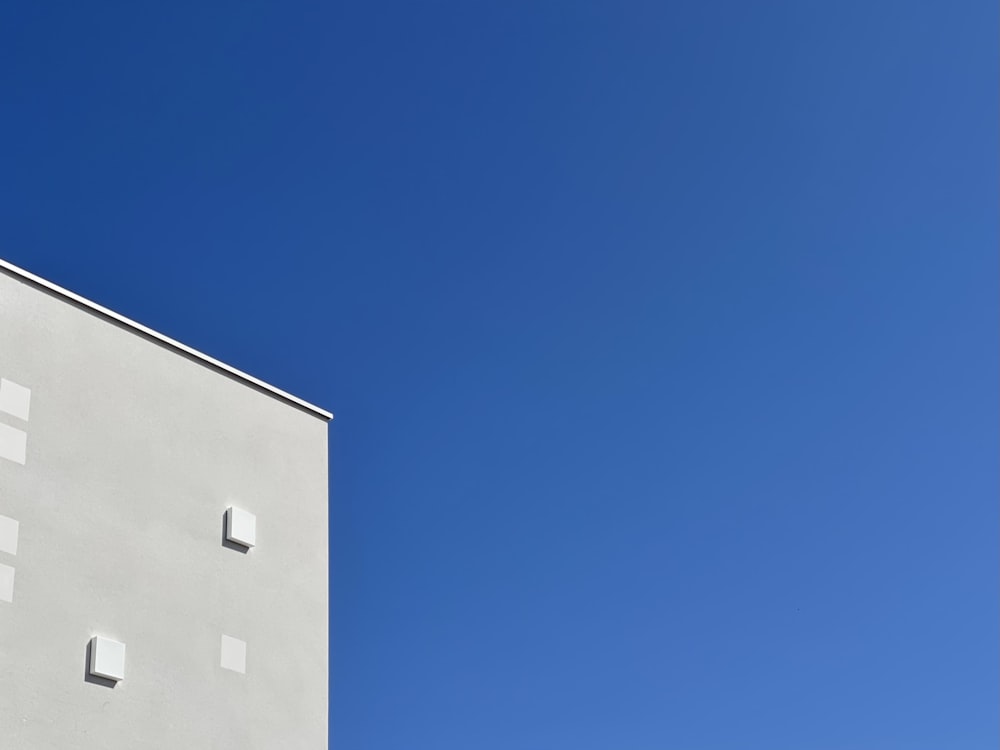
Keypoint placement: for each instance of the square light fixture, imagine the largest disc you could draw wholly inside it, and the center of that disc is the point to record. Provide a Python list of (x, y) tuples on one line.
[(6, 583), (14, 399), (234, 654), (13, 443), (241, 527), (107, 658), (8, 535)]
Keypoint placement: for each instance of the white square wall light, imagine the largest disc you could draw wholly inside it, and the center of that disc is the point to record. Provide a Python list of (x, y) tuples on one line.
[(13, 443), (241, 527), (8, 535), (14, 399), (107, 658), (234, 654), (6, 583)]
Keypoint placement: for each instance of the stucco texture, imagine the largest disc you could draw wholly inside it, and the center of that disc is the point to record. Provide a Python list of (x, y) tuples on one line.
[(133, 454)]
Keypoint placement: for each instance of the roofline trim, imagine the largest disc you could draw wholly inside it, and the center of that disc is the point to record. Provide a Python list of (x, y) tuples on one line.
[(165, 340)]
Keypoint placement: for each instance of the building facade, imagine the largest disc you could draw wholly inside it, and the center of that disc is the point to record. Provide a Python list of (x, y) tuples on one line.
[(163, 540)]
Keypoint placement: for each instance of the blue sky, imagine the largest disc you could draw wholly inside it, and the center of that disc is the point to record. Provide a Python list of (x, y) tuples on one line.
[(662, 338)]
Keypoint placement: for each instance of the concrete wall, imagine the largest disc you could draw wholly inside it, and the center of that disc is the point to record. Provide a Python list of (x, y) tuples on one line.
[(133, 452)]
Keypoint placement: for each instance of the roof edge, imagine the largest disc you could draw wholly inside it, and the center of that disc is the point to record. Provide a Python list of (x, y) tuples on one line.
[(165, 340)]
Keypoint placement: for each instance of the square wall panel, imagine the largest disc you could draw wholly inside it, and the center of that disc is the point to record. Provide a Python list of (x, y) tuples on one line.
[(8, 535), (107, 658), (241, 527), (14, 399)]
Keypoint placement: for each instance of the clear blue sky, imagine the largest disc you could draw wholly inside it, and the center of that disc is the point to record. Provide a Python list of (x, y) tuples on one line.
[(662, 338)]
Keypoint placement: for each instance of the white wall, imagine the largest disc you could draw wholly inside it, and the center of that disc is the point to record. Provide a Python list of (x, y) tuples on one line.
[(132, 453)]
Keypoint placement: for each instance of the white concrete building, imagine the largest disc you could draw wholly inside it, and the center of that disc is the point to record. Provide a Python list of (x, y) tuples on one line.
[(163, 540)]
